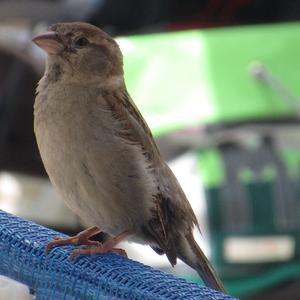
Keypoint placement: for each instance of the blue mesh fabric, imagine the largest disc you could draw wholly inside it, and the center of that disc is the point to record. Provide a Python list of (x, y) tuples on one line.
[(108, 276)]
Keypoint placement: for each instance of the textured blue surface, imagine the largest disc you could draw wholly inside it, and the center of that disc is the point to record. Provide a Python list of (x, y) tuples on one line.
[(108, 276)]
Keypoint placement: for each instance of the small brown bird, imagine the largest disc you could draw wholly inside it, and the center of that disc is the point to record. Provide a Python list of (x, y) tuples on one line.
[(100, 155)]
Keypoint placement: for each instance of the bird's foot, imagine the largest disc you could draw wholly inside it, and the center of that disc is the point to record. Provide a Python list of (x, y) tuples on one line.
[(106, 247), (81, 238), (92, 250)]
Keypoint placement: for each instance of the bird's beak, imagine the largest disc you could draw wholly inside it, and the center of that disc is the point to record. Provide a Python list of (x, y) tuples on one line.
[(50, 42)]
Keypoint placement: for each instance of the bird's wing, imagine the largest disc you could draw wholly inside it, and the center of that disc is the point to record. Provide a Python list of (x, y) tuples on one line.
[(134, 130), (132, 127)]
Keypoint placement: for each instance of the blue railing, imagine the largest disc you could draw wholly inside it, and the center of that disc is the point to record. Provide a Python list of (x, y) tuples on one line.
[(108, 276)]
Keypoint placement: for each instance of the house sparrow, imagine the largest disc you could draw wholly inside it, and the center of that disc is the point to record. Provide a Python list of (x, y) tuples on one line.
[(100, 155)]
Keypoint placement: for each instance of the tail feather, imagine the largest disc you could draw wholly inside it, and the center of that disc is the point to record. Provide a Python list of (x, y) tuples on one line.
[(192, 255)]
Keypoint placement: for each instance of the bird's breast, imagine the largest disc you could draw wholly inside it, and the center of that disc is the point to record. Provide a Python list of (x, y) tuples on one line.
[(107, 182)]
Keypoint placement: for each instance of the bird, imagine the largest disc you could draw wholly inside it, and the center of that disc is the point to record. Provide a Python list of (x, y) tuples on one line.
[(101, 157)]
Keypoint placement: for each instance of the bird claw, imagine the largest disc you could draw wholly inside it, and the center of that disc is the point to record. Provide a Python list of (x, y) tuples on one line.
[(80, 239), (94, 247), (75, 253), (53, 244), (91, 251), (119, 251), (71, 241)]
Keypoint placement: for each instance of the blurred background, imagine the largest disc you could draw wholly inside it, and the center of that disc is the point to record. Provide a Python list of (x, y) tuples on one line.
[(218, 83)]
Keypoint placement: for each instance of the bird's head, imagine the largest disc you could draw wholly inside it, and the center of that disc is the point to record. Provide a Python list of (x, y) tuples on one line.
[(80, 52)]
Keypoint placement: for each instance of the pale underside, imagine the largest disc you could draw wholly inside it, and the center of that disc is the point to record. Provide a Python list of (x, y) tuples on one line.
[(107, 182)]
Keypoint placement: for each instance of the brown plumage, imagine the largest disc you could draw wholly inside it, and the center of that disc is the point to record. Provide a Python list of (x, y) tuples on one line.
[(100, 154)]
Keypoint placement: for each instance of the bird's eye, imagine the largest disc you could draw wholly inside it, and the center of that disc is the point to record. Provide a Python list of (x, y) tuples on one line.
[(81, 42)]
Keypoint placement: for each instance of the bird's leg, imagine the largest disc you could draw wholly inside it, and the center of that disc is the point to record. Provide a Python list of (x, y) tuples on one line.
[(82, 238), (106, 247)]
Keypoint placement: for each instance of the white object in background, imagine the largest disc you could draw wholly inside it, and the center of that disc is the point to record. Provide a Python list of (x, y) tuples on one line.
[(261, 249), (30, 197), (13, 290)]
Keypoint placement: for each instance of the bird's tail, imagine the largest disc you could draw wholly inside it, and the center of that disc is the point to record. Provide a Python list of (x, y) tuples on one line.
[(192, 255)]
